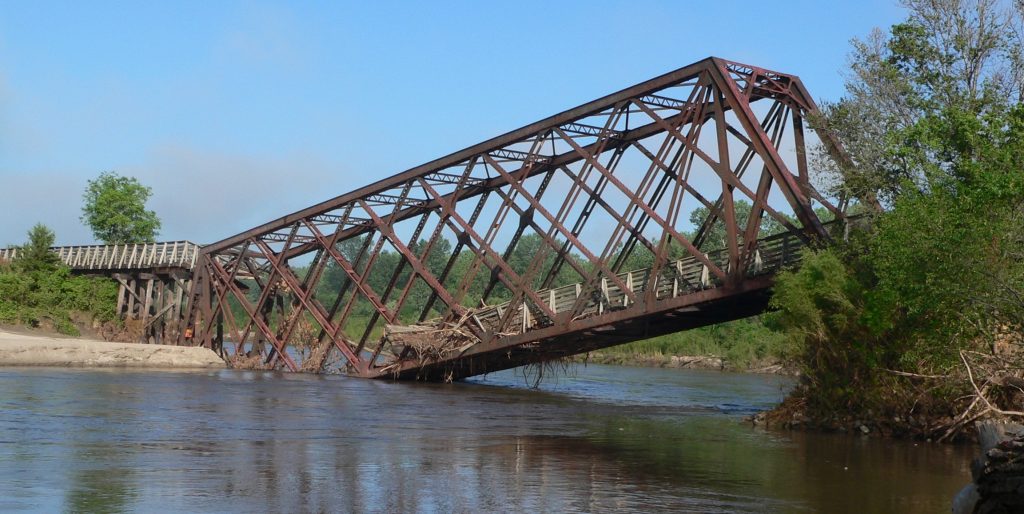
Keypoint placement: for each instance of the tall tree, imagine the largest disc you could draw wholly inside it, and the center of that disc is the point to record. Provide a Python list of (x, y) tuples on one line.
[(35, 255), (717, 237), (963, 55), (934, 121), (115, 210)]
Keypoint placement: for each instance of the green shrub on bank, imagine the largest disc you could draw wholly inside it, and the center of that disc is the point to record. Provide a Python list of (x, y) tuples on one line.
[(36, 288), (30, 298), (921, 317), (821, 309), (885, 321)]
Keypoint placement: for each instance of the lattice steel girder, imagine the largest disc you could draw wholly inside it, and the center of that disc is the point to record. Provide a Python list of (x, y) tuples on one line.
[(642, 92), (263, 277)]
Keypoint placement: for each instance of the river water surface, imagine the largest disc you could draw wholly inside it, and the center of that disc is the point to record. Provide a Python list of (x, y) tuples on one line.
[(605, 439)]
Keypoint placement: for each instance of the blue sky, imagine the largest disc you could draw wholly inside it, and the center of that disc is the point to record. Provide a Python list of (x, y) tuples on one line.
[(236, 113)]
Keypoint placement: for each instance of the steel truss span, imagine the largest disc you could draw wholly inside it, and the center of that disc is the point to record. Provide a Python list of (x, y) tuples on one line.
[(568, 235)]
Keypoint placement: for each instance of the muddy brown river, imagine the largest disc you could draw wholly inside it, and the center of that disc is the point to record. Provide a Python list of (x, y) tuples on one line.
[(605, 439)]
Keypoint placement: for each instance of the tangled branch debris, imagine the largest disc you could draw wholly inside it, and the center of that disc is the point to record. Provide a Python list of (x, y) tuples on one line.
[(995, 383), (252, 362), (534, 373), (429, 342)]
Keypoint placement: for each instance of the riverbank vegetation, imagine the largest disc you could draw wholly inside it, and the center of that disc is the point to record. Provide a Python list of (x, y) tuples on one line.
[(37, 290), (914, 325)]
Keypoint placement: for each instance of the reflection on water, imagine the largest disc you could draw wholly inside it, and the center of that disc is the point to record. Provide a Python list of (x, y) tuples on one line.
[(609, 438)]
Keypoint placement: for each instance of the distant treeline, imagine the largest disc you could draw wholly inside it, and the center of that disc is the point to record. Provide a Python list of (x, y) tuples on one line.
[(741, 342)]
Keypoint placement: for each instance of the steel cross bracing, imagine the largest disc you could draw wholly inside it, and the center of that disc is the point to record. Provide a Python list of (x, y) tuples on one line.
[(567, 235)]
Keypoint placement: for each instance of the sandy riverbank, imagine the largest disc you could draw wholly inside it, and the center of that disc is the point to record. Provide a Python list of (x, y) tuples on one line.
[(26, 349)]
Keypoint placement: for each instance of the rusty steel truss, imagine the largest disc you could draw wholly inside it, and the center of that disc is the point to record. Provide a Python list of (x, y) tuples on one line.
[(564, 236)]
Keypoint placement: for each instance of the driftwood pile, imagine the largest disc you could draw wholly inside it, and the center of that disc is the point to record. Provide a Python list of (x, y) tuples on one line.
[(314, 362), (430, 341), (251, 362)]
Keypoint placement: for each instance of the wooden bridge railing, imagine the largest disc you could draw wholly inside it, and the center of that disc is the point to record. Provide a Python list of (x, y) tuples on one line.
[(675, 279), (145, 256)]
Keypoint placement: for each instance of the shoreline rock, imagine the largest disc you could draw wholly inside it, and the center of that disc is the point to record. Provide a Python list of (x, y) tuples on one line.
[(998, 472)]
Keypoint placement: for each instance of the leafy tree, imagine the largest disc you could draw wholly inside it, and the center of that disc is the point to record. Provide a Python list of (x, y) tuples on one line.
[(967, 229), (115, 210), (717, 236), (935, 115), (532, 244), (949, 55)]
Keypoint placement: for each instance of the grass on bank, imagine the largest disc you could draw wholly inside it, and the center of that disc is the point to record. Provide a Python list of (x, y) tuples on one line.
[(741, 344)]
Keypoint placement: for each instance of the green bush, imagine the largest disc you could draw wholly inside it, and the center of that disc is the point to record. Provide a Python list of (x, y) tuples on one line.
[(938, 274), (36, 288), (31, 297)]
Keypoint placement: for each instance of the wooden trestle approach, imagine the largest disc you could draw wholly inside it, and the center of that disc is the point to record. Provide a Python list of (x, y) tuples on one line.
[(153, 281)]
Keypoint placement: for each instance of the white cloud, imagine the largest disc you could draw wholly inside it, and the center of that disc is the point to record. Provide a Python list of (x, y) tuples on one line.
[(206, 196)]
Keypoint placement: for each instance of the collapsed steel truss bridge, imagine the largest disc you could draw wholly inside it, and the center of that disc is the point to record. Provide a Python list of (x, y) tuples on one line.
[(568, 235)]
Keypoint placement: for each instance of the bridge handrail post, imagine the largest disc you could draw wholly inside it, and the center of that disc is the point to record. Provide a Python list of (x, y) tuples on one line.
[(785, 252)]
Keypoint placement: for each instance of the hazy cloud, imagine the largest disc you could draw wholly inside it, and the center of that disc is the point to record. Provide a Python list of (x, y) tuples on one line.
[(206, 196), (199, 195)]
